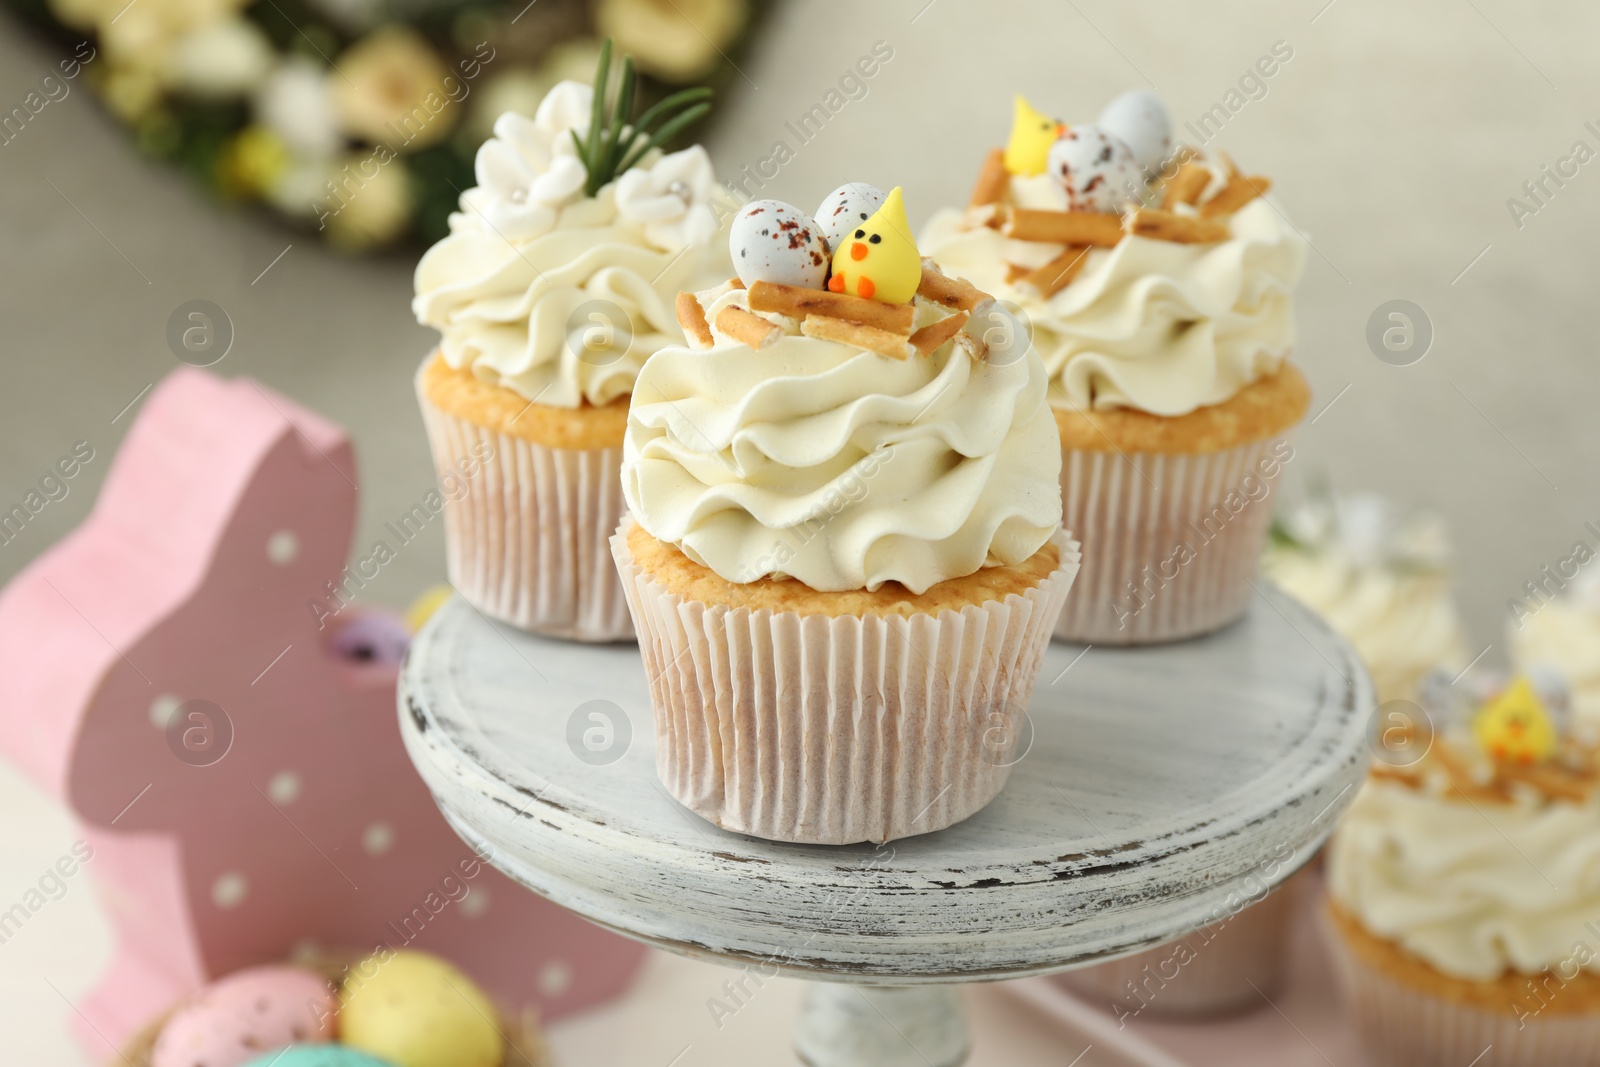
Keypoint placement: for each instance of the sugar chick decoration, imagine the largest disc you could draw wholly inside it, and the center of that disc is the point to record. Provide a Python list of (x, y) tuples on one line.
[(1032, 134), (879, 260), (1514, 726)]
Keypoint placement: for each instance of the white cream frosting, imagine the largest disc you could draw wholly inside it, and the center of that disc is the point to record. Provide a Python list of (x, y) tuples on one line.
[(1564, 634), (1152, 325), (1474, 891), (528, 250), (843, 468), (1385, 584)]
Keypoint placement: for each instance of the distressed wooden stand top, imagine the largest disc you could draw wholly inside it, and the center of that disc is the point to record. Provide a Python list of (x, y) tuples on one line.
[(1164, 788)]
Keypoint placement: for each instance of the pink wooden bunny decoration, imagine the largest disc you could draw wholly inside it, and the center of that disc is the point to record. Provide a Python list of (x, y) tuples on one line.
[(242, 784)]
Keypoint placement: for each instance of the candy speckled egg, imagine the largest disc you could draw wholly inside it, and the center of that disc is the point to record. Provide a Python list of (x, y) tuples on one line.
[(1140, 119), (415, 1010), (232, 1021), (846, 208), (1097, 170), (318, 1056), (771, 241)]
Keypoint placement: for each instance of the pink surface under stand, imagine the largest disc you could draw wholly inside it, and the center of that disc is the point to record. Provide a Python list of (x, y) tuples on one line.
[(291, 817)]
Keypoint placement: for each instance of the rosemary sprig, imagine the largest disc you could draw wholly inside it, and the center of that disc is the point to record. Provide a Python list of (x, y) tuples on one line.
[(615, 141)]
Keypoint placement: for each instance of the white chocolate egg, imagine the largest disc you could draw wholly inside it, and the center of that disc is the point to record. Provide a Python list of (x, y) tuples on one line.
[(1097, 170), (1140, 119), (771, 241), (846, 208)]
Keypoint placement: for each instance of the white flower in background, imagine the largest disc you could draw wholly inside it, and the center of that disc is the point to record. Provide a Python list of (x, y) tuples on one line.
[(377, 211), (392, 90), (296, 103), (224, 59), (678, 40), (141, 35), (670, 199)]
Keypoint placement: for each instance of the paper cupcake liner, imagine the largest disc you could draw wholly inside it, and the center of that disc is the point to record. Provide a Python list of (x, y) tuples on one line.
[(826, 730), (1133, 512), (1401, 1026), (1207, 972), (526, 541)]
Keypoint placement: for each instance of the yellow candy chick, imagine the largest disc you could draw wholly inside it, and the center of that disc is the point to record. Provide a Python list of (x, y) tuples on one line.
[(1514, 726), (1032, 134), (879, 261)]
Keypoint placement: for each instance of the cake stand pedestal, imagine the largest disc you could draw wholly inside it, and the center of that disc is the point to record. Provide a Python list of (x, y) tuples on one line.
[(1155, 790)]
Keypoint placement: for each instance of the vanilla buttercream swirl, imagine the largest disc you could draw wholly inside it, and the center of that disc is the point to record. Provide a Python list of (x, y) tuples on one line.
[(1382, 580), (842, 468), (1476, 891), (1151, 325), (557, 295)]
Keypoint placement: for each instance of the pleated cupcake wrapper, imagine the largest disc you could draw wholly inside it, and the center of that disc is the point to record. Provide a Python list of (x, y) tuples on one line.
[(526, 543), (1405, 1027), (1208, 972), (1132, 512), (826, 730)]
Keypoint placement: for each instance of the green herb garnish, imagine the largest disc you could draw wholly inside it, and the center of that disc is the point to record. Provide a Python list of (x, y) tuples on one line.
[(615, 140)]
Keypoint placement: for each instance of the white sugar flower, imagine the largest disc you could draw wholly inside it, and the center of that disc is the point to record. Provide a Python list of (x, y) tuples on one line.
[(670, 199)]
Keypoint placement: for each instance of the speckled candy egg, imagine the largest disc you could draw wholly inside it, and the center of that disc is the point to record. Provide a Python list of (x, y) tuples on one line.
[(776, 242), (233, 1021), (1140, 119), (846, 208), (318, 1056), (415, 1010), (1097, 170)]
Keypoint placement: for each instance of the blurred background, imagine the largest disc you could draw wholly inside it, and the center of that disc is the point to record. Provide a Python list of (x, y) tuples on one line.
[(1429, 151)]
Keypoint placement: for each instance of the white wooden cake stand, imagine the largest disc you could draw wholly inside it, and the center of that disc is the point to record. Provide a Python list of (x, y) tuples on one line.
[(1157, 790)]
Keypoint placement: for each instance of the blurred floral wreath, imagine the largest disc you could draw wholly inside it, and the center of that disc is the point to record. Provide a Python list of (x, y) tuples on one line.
[(285, 102)]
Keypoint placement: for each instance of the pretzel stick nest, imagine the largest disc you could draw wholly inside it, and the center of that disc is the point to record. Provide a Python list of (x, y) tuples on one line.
[(1239, 191), (871, 338), (1181, 229), (692, 317), (957, 293), (993, 180), (1185, 186), (797, 303), (747, 328), (931, 336), (1055, 275), (1102, 229)]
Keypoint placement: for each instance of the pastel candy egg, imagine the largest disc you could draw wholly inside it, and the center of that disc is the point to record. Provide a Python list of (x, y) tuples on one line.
[(771, 241), (232, 1021), (415, 1010), (372, 637), (1097, 170), (318, 1056), (846, 208), (1140, 119)]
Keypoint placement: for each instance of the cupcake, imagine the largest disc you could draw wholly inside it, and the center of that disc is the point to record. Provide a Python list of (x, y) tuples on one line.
[(394, 1008), (1221, 968), (1383, 580), (554, 285), (1555, 624), (1465, 908), (1157, 288), (845, 557)]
